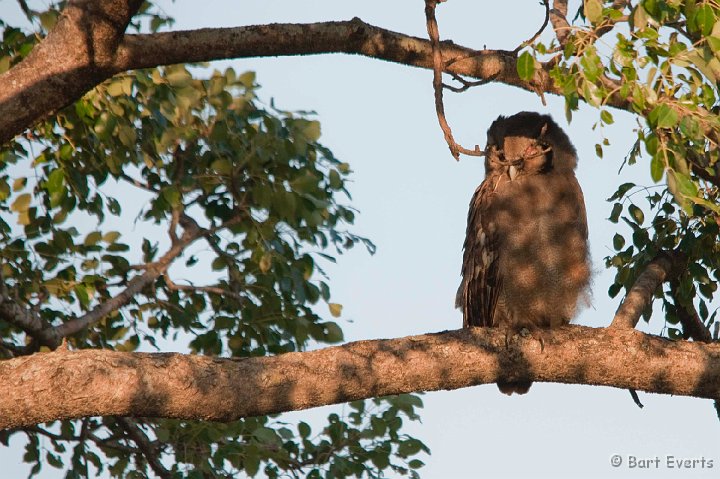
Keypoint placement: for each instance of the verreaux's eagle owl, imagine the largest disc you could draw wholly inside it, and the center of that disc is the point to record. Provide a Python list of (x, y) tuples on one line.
[(526, 262)]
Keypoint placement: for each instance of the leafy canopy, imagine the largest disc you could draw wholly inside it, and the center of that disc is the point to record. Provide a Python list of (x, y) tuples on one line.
[(222, 211)]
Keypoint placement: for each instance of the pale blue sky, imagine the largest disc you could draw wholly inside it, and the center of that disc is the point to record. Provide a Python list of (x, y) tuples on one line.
[(413, 200)]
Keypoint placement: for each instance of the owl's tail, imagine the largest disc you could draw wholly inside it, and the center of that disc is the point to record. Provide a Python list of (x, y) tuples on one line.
[(517, 387)]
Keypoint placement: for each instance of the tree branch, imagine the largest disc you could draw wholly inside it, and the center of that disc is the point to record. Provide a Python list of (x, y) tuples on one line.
[(40, 84), (558, 19), (693, 326), (531, 40), (172, 286), (152, 272), (434, 34), (146, 447), (75, 56), (71, 384), (641, 294)]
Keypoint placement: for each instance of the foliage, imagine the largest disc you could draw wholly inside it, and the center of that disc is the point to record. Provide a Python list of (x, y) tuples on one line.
[(659, 59), (258, 198), (250, 200)]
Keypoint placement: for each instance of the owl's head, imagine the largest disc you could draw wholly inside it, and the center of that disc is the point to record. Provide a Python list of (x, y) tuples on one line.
[(527, 143)]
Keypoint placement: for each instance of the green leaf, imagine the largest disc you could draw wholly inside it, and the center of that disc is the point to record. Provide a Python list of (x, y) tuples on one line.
[(704, 19), (618, 242), (247, 79), (114, 206), (304, 429), (592, 93), (637, 214), (526, 66), (82, 294), (335, 181), (606, 117), (333, 333), (251, 463), (172, 196), (111, 236), (55, 181), (593, 10), (686, 186), (162, 434), (265, 434), (713, 43), (311, 130), (663, 116), (178, 76), (677, 184), (657, 167), (92, 238), (222, 166), (592, 67)]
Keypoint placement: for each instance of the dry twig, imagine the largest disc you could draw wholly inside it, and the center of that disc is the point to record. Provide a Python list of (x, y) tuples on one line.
[(432, 28)]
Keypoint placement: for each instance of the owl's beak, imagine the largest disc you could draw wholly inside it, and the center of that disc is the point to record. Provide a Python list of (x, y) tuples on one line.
[(512, 172)]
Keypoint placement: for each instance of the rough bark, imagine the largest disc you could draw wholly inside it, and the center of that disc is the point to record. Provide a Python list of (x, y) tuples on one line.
[(65, 384), (77, 55), (641, 294)]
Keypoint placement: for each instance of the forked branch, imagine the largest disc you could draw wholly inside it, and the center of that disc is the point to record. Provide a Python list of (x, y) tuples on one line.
[(434, 34)]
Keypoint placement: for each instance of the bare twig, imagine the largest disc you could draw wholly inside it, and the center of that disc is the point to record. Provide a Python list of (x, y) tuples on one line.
[(466, 83), (204, 289), (138, 183), (532, 39), (432, 28), (149, 451), (636, 398)]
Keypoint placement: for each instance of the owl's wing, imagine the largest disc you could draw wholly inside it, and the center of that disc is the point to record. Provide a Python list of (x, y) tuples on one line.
[(478, 292)]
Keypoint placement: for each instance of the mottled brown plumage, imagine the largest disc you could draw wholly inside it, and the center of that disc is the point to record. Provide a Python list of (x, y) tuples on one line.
[(526, 261)]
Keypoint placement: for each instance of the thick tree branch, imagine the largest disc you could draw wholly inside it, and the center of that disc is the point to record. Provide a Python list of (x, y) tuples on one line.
[(27, 96), (68, 384), (558, 20), (641, 294), (76, 55)]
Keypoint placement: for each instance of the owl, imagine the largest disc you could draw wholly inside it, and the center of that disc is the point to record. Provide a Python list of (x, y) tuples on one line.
[(525, 263)]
